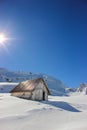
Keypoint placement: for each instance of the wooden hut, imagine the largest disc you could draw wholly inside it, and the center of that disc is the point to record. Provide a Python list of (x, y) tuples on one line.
[(32, 89)]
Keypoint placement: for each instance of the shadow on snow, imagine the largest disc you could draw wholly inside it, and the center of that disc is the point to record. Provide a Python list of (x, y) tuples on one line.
[(62, 105)]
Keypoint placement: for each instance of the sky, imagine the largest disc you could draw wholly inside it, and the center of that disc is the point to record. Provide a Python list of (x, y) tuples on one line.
[(46, 36)]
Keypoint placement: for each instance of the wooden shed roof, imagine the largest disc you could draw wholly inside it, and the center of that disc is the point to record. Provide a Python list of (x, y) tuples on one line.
[(29, 85)]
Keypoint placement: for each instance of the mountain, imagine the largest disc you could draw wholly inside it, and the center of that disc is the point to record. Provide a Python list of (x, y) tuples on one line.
[(82, 89), (56, 86), (70, 90)]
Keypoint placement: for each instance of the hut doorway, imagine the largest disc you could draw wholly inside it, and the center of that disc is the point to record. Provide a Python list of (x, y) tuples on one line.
[(43, 95)]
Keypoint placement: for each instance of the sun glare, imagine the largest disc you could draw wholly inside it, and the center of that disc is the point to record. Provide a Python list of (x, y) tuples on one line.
[(2, 38), (3, 41)]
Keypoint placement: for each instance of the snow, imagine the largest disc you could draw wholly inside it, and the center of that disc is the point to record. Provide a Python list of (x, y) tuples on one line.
[(6, 87), (58, 113)]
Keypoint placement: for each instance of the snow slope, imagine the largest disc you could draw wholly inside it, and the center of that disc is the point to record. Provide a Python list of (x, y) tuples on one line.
[(58, 113), (6, 87), (82, 89), (56, 86)]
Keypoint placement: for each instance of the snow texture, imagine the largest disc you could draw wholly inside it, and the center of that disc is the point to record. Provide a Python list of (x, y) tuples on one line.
[(58, 113)]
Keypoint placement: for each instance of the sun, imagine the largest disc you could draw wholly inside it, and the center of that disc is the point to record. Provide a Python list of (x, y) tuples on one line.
[(4, 41), (2, 38)]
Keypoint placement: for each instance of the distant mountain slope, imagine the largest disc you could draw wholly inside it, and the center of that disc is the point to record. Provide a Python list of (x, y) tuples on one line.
[(56, 86), (6, 87), (82, 89)]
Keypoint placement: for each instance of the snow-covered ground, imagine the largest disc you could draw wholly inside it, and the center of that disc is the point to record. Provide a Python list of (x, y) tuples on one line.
[(58, 113)]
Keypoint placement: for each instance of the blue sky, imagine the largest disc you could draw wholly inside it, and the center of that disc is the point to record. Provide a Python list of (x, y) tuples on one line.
[(49, 36)]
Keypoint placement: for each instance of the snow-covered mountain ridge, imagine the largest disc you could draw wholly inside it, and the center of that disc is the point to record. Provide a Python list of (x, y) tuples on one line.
[(9, 79), (81, 90), (56, 86)]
